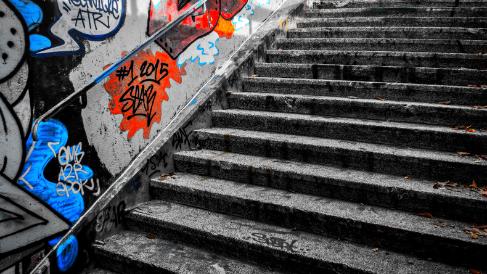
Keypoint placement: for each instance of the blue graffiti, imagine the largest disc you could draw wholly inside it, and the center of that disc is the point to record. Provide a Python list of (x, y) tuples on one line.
[(66, 253), (90, 20), (32, 15), (52, 139)]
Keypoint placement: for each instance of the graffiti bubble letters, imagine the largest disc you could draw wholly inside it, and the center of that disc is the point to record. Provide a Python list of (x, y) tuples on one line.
[(89, 19), (138, 89), (274, 241), (73, 176)]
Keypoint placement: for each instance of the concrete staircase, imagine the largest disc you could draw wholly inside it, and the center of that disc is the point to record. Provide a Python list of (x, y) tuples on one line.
[(353, 148)]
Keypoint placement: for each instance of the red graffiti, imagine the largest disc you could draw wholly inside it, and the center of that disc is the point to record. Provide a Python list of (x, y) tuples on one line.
[(138, 88), (203, 22)]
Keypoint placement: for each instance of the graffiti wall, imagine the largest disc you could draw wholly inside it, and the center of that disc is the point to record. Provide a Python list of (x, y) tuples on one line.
[(50, 49)]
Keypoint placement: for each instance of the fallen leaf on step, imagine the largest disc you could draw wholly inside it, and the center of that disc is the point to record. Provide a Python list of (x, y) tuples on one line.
[(473, 185), (407, 177), (483, 192), (444, 102), (479, 107), (463, 153), (425, 214), (380, 98), (151, 236), (474, 271)]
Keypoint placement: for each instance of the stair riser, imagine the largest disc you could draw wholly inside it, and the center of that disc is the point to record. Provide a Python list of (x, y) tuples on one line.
[(331, 226), (379, 58), (369, 161), (393, 33), (372, 46), (400, 4), (431, 76), (455, 95), (395, 22), (414, 201), (373, 134), (268, 255), (397, 12)]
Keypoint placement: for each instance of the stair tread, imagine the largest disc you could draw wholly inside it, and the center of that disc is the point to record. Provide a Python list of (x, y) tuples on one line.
[(326, 82), (248, 233), (379, 53), (392, 28), (161, 254), (385, 9), (348, 175), (382, 40), (305, 65), (300, 140), (316, 118), (340, 209)]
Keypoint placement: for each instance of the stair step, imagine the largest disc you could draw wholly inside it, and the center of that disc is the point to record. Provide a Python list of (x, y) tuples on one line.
[(370, 225), (398, 12), (346, 184), (381, 58), (298, 252), (427, 32), (417, 163), (466, 22), (455, 95), (375, 73), (375, 109), (138, 252), (381, 44), (396, 3), (378, 132)]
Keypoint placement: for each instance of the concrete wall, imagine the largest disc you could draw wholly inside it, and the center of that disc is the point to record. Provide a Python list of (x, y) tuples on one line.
[(48, 50)]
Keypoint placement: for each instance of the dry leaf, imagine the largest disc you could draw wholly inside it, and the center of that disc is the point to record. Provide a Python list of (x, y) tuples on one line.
[(473, 185), (151, 236), (444, 102), (483, 192), (407, 177), (463, 153), (474, 271), (425, 214), (380, 98)]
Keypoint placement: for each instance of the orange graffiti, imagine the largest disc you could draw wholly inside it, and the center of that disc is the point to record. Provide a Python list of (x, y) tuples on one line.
[(225, 28), (138, 88)]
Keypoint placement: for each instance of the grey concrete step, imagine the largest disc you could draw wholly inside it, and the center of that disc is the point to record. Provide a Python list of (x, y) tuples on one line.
[(455, 95), (396, 3), (375, 73), (425, 32), (381, 44), (374, 109), (466, 22), (370, 225), (417, 163), (359, 129), (345, 184), (381, 58), (139, 252), (398, 12), (299, 252)]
